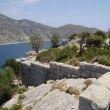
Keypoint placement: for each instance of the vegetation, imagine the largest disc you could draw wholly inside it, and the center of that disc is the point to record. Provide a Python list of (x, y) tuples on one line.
[(92, 49), (6, 77), (14, 107), (12, 64), (73, 36), (55, 40), (73, 90), (56, 54), (37, 43)]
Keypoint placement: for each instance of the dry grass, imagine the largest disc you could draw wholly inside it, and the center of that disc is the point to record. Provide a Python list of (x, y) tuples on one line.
[(73, 90)]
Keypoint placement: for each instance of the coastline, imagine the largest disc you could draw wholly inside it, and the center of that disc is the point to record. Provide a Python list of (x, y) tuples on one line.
[(17, 43), (13, 43)]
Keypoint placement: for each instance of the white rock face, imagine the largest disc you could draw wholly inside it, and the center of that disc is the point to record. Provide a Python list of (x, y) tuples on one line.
[(34, 95), (11, 102), (95, 97), (55, 100), (105, 80)]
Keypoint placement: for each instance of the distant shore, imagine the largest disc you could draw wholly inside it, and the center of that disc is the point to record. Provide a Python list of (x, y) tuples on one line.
[(13, 43), (17, 43)]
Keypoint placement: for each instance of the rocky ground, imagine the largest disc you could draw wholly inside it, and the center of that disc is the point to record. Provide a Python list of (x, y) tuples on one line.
[(67, 94), (55, 95)]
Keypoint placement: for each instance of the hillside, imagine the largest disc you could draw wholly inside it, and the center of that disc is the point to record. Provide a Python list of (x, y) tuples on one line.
[(12, 30)]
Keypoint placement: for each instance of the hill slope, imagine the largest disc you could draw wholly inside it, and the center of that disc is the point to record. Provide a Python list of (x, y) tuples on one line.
[(12, 30)]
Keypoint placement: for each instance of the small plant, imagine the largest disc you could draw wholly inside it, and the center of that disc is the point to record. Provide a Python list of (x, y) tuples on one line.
[(73, 90), (22, 96), (88, 82), (22, 90)]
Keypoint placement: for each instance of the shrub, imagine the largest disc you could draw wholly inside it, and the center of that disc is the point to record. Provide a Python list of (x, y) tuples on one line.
[(73, 90), (66, 53), (73, 61), (88, 82), (6, 77), (14, 107), (21, 90), (49, 55), (12, 64)]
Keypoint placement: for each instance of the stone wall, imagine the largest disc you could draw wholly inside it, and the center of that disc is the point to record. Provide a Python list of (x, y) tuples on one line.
[(35, 73)]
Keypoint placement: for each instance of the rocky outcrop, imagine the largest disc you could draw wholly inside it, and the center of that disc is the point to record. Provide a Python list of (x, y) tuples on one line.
[(97, 95), (67, 94)]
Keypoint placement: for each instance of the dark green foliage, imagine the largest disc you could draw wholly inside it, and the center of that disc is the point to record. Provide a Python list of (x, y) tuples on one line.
[(55, 40), (101, 33), (47, 56), (36, 42), (6, 77), (96, 41), (15, 107), (13, 64), (95, 54), (66, 53), (73, 36), (56, 54)]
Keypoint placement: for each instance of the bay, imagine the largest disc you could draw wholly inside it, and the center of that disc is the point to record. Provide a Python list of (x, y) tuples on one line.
[(17, 50)]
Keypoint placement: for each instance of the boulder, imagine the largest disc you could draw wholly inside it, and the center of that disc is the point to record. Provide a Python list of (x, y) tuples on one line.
[(95, 97), (56, 100), (34, 95)]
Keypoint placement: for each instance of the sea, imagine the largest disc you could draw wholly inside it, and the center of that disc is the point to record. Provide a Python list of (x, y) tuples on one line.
[(17, 50)]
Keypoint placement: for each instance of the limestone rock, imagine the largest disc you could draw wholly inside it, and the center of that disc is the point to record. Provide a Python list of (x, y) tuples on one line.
[(95, 97), (105, 80), (55, 100), (11, 102), (34, 95)]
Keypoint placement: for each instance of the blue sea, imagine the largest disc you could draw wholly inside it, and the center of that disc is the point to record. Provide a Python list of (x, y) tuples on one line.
[(17, 50)]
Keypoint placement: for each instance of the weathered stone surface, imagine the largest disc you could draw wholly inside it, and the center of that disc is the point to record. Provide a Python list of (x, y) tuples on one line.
[(95, 97), (36, 94), (55, 100), (105, 80), (11, 102)]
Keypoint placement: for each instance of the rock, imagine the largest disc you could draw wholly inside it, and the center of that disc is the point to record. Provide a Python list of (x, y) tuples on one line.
[(55, 100), (105, 80), (11, 102), (95, 97), (34, 95)]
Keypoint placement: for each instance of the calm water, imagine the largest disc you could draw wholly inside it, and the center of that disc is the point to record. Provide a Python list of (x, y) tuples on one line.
[(16, 50)]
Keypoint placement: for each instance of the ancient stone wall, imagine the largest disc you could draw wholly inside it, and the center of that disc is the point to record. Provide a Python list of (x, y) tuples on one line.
[(35, 73)]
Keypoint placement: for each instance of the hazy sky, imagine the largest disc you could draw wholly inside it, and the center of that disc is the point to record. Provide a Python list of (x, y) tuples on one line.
[(92, 13)]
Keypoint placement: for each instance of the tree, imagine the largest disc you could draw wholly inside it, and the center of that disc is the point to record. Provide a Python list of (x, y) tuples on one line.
[(12, 64), (97, 39), (101, 33), (55, 40), (7, 75), (37, 43), (73, 36), (83, 37), (109, 35)]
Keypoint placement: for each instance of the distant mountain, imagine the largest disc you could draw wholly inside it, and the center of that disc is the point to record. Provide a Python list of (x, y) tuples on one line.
[(12, 30)]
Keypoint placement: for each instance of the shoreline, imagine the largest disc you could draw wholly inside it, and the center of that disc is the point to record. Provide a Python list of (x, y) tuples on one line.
[(17, 43), (12, 43)]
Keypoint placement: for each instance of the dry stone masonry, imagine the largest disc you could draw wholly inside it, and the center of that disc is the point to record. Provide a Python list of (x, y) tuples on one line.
[(35, 73)]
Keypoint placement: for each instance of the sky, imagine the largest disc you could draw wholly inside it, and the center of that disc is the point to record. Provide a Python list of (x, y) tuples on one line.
[(91, 13)]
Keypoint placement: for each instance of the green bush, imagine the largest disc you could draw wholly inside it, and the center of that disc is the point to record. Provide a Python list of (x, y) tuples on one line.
[(6, 77), (56, 54), (47, 56), (13, 64), (14, 107)]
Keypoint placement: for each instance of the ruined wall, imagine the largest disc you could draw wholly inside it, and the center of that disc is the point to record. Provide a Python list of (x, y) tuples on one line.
[(35, 73)]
